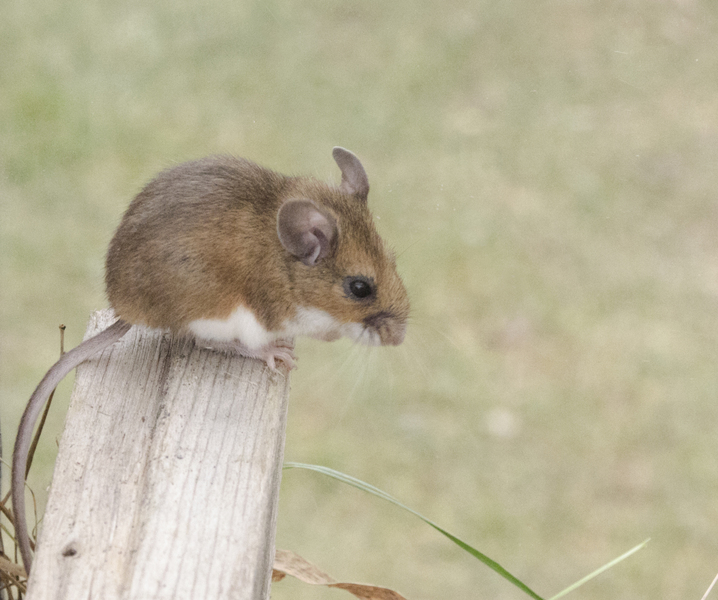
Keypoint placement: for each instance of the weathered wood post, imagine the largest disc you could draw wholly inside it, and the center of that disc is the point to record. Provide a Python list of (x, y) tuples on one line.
[(167, 477)]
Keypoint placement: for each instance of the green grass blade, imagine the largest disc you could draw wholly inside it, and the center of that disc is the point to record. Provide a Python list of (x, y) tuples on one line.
[(357, 483), (708, 591), (597, 572)]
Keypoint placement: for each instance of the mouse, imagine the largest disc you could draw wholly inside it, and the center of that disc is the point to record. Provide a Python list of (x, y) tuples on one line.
[(244, 260)]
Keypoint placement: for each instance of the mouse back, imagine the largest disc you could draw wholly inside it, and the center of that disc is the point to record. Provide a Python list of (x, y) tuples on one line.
[(197, 242)]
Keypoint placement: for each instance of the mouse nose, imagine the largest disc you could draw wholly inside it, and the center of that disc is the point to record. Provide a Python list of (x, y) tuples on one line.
[(394, 334), (391, 329)]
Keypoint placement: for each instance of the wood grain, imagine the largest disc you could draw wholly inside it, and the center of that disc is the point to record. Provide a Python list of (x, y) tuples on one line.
[(167, 477)]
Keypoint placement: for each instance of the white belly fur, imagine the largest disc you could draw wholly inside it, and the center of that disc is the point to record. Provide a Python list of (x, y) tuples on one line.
[(241, 325), (244, 327)]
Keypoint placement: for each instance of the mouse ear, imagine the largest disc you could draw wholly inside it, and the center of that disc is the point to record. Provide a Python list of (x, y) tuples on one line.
[(305, 231), (354, 179)]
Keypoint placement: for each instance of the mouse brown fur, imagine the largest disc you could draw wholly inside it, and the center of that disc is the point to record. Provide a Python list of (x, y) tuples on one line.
[(243, 258)]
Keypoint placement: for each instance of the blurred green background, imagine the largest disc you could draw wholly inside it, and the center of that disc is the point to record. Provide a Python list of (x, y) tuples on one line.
[(546, 171)]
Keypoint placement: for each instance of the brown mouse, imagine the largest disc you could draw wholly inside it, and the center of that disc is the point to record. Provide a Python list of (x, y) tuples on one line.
[(245, 259)]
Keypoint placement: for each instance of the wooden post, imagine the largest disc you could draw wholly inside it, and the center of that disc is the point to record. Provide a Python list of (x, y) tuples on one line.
[(167, 477)]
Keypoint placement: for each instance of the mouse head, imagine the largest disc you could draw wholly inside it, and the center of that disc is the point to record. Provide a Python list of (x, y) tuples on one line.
[(344, 276)]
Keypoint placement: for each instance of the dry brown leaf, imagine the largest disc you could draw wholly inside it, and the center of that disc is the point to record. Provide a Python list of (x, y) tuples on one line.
[(288, 563), (11, 568)]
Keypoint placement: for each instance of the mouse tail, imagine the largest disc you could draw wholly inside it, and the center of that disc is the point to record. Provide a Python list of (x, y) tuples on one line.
[(62, 367)]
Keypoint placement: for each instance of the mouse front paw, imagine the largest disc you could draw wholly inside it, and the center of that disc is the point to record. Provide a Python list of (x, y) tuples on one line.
[(282, 350)]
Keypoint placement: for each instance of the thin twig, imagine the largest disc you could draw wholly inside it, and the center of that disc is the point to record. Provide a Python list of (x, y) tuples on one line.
[(7, 512)]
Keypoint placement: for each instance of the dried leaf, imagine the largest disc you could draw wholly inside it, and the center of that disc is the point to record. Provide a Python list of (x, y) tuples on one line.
[(12, 568), (289, 563)]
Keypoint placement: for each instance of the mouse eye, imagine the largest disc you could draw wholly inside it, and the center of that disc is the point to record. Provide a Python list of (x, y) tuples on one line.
[(358, 288)]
